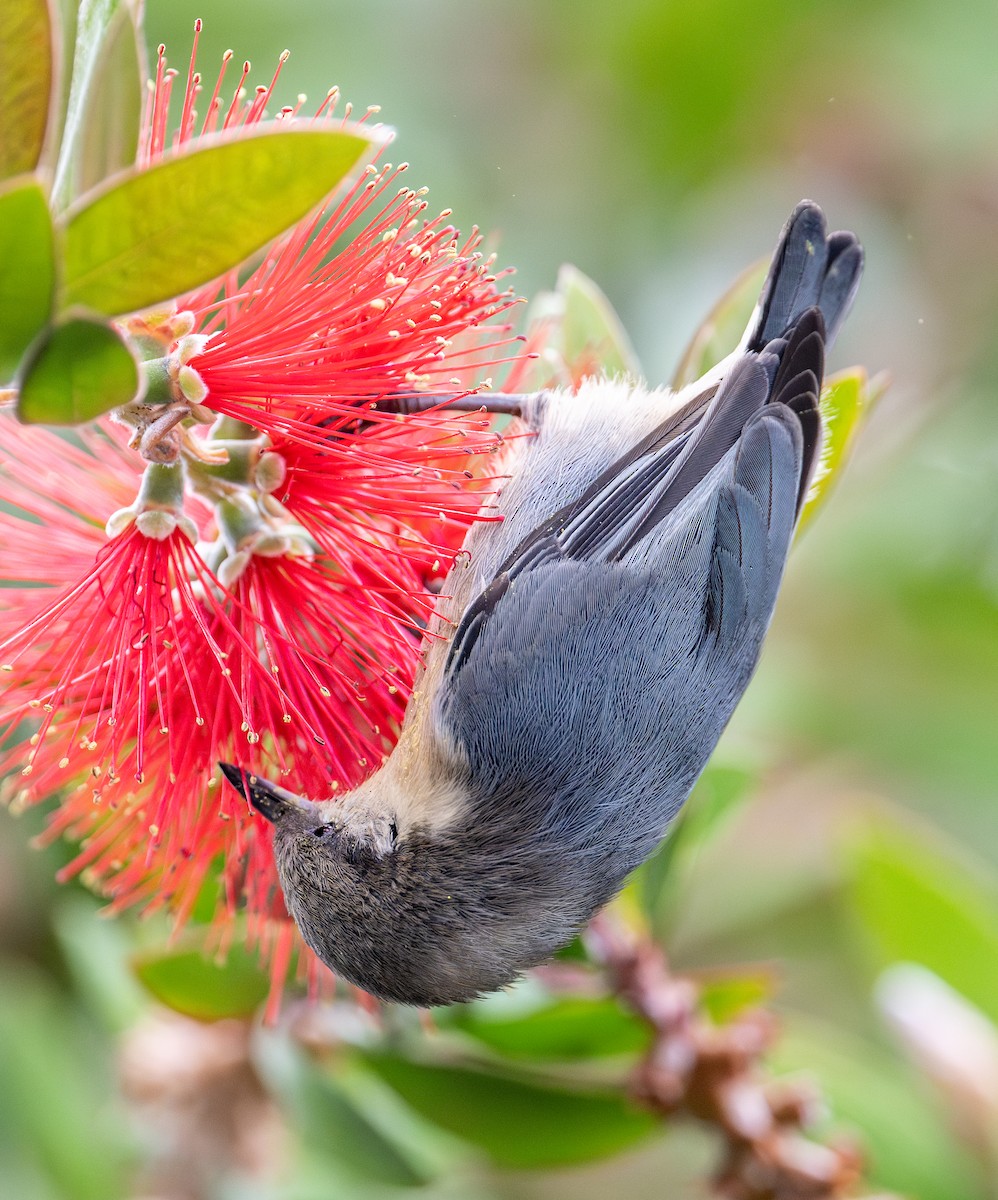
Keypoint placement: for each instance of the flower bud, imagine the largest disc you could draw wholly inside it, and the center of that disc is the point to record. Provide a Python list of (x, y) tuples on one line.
[(188, 528), (232, 567), (272, 544), (270, 472), (119, 521), (192, 386), (156, 524)]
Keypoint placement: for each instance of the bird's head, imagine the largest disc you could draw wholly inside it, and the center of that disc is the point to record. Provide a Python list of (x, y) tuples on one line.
[(407, 913)]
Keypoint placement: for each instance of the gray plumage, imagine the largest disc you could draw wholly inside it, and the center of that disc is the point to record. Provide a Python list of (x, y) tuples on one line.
[(591, 651)]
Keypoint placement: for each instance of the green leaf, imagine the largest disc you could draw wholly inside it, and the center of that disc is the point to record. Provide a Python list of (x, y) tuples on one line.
[(27, 271), (26, 84), (565, 1030), (190, 983), (105, 97), (155, 233), (910, 1150), (920, 905), (846, 398), (77, 371), (723, 327), (660, 882), (96, 952), (727, 997), (520, 1124), (55, 1107), (110, 133), (593, 339), (333, 1112)]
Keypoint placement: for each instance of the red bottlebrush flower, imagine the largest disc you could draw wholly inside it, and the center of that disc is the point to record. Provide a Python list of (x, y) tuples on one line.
[(364, 300), (315, 331), (259, 593)]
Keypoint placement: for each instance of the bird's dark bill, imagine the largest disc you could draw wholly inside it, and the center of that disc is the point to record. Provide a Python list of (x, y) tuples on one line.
[(235, 776), (265, 797)]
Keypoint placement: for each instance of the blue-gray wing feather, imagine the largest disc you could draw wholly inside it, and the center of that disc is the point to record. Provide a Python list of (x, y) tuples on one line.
[(611, 681)]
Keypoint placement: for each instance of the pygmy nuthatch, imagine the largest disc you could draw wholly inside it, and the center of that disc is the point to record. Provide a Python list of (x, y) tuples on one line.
[(588, 653)]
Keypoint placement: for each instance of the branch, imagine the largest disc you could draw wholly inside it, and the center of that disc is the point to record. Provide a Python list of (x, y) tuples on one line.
[(715, 1075)]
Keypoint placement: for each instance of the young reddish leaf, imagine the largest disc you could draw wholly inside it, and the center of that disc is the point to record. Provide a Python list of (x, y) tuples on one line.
[(26, 81), (79, 370), (27, 271), (172, 226)]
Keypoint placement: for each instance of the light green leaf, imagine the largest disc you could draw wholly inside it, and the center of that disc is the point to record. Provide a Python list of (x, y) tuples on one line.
[(846, 399), (723, 998), (190, 983), (26, 84), (722, 330), (919, 905), (593, 339), (567, 1029), (152, 234), (104, 85), (110, 133), (27, 271), (520, 1124), (77, 371)]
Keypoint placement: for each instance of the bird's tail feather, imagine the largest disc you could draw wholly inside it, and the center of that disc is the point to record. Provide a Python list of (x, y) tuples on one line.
[(810, 269)]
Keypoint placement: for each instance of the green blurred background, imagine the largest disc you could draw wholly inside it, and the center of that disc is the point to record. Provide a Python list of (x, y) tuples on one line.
[(658, 146)]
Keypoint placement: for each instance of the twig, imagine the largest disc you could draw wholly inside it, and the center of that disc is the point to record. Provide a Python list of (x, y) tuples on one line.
[(715, 1074)]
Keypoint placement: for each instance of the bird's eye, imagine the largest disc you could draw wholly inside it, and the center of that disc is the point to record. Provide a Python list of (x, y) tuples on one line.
[(393, 830), (321, 830)]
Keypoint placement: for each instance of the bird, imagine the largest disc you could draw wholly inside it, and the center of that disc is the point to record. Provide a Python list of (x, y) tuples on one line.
[(586, 655)]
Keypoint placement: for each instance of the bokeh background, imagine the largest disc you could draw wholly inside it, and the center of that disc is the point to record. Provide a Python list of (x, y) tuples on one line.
[(658, 146)]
